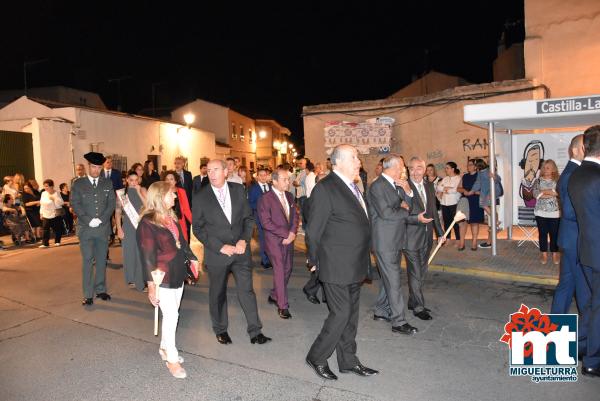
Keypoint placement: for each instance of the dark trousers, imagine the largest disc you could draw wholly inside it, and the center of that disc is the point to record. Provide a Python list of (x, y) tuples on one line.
[(591, 320), (282, 270), (390, 302), (417, 267), (217, 295), (573, 281), (312, 286), (547, 226), (93, 254), (301, 201), (68, 218), (264, 259), (448, 213), (339, 330), (57, 226)]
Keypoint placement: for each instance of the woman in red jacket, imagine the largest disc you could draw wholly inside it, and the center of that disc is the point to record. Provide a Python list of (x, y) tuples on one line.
[(182, 206)]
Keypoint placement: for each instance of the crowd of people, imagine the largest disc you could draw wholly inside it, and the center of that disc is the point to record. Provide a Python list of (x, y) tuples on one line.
[(345, 218)]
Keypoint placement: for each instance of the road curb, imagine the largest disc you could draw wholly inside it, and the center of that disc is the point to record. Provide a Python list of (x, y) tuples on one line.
[(478, 272)]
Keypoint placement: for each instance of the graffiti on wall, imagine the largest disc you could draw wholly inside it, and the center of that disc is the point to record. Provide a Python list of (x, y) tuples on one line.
[(374, 133)]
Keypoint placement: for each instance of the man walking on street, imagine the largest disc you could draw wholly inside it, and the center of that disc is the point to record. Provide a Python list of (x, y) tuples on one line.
[(93, 200)]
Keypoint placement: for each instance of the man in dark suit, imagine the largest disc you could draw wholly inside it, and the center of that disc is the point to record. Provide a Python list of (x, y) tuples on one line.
[(223, 222), (338, 244), (185, 177), (419, 236), (387, 196), (584, 191), (279, 217), (256, 191), (93, 200), (112, 174), (201, 180), (571, 280)]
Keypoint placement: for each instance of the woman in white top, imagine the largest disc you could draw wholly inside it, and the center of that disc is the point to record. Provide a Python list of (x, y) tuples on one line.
[(51, 209), (449, 196), (311, 178), (547, 210)]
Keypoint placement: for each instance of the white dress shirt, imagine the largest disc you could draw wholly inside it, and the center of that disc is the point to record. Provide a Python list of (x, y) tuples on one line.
[(421, 191), (92, 179), (279, 193), (310, 182), (350, 185), (227, 206), (592, 159)]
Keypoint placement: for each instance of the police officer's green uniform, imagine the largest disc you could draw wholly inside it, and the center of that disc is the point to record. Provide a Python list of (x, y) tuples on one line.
[(89, 203)]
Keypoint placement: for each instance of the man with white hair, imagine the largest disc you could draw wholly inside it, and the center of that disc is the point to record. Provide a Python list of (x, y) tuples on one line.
[(419, 236), (339, 239)]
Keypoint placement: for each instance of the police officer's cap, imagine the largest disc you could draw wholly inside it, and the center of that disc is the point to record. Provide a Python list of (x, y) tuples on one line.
[(95, 158)]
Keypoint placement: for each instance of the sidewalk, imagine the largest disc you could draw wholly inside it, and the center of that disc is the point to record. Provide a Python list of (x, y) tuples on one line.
[(512, 263)]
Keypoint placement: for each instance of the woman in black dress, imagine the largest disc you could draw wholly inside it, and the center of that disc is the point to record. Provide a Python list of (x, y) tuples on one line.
[(31, 202), (149, 175), (475, 212)]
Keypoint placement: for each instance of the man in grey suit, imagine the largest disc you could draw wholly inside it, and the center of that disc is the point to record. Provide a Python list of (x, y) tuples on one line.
[(223, 222), (389, 200), (419, 236), (93, 201)]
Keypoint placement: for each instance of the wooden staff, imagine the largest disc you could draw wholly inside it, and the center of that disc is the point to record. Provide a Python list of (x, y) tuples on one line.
[(459, 216), (157, 277)]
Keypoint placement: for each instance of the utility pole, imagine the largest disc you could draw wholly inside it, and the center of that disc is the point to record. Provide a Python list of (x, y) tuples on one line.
[(25, 65), (154, 86), (118, 81)]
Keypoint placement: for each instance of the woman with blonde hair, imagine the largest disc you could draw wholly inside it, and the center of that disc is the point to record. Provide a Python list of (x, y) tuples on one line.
[(162, 246), (546, 211)]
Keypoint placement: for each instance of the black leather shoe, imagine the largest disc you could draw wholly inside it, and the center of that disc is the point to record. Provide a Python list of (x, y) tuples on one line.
[(224, 338), (413, 308), (322, 371), (423, 315), (271, 300), (405, 329), (594, 372), (87, 301), (381, 318), (284, 313), (260, 338), (104, 296), (311, 298), (360, 370)]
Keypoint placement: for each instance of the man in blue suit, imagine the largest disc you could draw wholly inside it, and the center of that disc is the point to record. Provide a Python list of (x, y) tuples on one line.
[(112, 174), (572, 280), (584, 191), (257, 189)]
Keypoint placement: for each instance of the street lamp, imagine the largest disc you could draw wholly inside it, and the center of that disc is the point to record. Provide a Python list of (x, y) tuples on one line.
[(189, 119), (262, 134)]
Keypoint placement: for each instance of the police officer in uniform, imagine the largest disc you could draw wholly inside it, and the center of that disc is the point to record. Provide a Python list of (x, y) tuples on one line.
[(93, 200)]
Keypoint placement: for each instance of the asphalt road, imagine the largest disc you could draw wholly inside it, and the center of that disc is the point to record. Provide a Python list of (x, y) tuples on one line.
[(52, 348)]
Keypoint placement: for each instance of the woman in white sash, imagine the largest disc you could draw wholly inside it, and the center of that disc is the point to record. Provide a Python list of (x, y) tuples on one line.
[(130, 201)]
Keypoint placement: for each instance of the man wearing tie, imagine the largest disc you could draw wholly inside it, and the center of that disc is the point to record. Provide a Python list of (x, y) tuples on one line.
[(339, 239), (112, 174), (584, 191), (257, 190), (423, 219), (201, 180), (93, 200), (223, 222), (571, 280), (279, 215), (387, 196), (185, 177)]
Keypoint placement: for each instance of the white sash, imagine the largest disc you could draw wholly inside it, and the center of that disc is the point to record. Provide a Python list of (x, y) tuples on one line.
[(130, 211)]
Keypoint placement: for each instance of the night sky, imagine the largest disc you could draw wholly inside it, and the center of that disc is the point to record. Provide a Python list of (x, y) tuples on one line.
[(259, 59)]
